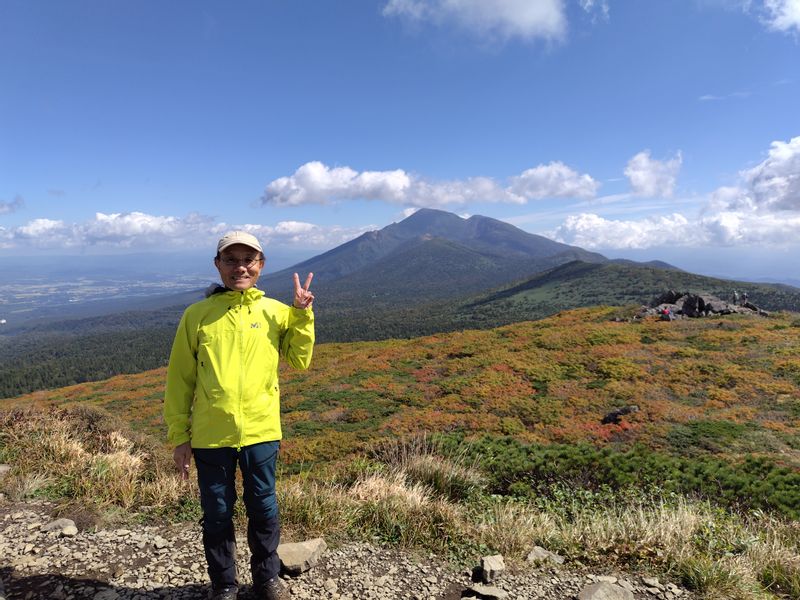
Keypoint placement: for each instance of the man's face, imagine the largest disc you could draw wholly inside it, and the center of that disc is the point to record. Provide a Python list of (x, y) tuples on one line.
[(239, 267)]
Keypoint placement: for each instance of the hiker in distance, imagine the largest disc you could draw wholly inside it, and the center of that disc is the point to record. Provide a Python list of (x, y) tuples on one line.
[(222, 406)]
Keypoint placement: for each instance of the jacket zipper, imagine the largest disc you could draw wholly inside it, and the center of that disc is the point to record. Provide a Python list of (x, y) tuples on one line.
[(241, 371)]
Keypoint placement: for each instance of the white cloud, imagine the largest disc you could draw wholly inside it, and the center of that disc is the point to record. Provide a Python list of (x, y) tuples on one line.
[(763, 209), (731, 228), (316, 183), (774, 184), (596, 8), (444, 193), (10, 207), (716, 98), (783, 15), (41, 228), (140, 230), (650, 177), (727, 228), (524, 19), (593, 231), (555, 180), (132, 228)]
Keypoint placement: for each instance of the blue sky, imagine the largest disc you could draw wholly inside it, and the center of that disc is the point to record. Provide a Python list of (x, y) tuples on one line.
[(646, 129)]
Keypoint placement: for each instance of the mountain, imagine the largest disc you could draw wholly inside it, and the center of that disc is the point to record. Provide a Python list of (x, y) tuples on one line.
[(428, 255), (567, 286)]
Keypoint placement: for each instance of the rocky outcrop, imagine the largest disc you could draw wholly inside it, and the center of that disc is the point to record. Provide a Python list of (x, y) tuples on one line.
[(615, 415), (672, 304)]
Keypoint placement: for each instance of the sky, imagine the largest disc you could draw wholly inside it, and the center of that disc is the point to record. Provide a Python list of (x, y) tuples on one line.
[(640, 129)]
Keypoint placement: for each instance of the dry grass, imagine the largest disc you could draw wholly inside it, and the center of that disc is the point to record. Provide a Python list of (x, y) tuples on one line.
[(413, 497), (512, 528), (420, 459), (82, 454)]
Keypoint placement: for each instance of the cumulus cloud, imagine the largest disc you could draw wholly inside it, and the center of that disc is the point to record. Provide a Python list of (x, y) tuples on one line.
[(10, 207), (783, 15), (306, 234), (140, 230), (650, 177), (524, 19), (762, 209), (733, 228), (726, 228), (316, 183), (555, 180), (774, 184), (593, 231)]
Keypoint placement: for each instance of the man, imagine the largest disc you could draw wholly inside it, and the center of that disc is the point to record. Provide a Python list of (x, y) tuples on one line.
[(222, 405)]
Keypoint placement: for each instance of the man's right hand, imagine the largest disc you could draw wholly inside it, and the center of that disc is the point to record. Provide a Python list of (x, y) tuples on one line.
[(182, 455)]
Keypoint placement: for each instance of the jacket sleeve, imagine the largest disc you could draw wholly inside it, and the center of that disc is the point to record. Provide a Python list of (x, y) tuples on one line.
[(297, 343), (181, 378)]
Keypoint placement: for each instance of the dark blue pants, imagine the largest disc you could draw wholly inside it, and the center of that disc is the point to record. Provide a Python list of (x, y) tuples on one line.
[(216, 475)]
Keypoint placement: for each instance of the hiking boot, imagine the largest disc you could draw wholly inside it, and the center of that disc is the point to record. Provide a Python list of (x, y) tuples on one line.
[(229, 592), (273, 589)]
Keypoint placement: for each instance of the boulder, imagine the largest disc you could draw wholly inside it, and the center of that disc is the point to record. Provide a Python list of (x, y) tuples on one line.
[(668, 297), (605, 591), (299, 557), (485, 592), (694, 306), (615, 415), (540, 555), (492, 567), (65, 527)]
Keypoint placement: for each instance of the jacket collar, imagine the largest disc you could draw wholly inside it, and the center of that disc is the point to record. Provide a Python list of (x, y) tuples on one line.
[(233, 297)]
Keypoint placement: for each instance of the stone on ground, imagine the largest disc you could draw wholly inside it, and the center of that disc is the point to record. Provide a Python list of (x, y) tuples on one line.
[(605, 591), (299, 557), (492, 567)]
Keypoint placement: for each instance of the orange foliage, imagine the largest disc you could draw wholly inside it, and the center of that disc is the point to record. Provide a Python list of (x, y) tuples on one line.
[(546, 381)]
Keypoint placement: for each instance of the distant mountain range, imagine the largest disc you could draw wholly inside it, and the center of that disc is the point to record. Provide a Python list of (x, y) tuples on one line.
[(431, 272), (429, 255)]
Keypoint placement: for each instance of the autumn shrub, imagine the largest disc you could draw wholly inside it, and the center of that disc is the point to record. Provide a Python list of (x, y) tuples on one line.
[(705, 436), (529, 470)]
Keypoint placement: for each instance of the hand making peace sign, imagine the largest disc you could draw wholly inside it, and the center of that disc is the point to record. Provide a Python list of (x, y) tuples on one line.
[(302, 297)]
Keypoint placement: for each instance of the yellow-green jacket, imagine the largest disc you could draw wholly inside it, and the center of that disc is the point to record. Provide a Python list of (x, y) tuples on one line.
[(222, 379)]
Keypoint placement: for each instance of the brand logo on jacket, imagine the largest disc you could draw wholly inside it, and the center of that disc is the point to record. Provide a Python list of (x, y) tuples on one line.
[(255, 325)]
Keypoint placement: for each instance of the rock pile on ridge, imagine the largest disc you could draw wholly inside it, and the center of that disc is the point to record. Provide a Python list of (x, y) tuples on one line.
[(682, 304)]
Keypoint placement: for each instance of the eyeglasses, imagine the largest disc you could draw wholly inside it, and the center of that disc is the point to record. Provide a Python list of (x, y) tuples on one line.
[(235, 262)]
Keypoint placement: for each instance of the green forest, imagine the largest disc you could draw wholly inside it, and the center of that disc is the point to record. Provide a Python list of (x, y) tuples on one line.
[(75, 351)]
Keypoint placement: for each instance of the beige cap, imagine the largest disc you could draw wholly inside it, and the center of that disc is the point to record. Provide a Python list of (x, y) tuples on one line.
[(238, 237)]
